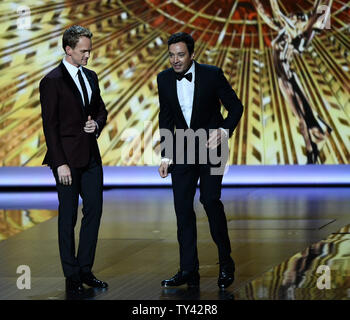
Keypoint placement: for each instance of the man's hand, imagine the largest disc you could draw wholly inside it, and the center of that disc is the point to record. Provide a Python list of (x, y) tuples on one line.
[(163, 169), (64, 175), (90, 125), (215, 138)]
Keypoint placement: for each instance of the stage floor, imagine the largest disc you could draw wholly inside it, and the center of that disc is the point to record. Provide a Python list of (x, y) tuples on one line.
[(279, 238)]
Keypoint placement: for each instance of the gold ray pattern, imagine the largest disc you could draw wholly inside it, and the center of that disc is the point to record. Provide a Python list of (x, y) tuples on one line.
[(129, 50), (13, 222), (299, 277)]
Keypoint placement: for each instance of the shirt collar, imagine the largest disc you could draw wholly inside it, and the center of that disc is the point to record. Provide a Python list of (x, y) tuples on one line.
[(73, 70), (191, 69)]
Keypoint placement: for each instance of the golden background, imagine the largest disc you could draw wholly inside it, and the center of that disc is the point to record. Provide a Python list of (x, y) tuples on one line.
[(13, 222), (129, 50)]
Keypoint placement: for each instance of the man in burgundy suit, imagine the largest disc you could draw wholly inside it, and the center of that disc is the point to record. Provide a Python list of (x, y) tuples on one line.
[(73, 116)]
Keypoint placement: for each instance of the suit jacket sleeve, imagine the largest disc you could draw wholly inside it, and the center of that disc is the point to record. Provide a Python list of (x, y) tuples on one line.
[(166, 122), (49, 112), (102, 113), (230, 101)]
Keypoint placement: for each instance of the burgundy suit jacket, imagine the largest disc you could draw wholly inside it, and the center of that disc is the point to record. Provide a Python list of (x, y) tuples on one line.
[(64, 116)]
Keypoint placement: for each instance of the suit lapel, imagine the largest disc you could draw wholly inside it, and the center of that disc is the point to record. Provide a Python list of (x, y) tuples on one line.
[(196, 96), (71, 85), (173, 90), (91, 82)]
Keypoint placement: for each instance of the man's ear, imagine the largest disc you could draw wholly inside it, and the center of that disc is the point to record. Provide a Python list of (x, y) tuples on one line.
[(192, 56), (68, 50)]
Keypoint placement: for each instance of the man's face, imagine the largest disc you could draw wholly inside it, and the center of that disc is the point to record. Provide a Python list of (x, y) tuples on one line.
[(80, 55), (179, 56)]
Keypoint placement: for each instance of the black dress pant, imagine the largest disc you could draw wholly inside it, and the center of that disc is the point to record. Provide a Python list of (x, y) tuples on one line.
[(184, 182), (88, 183)]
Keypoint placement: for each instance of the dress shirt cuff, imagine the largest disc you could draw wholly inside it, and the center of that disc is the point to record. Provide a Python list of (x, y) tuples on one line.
[(167, 160), (225, 131)]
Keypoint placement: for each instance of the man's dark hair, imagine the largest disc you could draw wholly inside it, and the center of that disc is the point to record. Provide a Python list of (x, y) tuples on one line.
[(182, 37), (71, 36)]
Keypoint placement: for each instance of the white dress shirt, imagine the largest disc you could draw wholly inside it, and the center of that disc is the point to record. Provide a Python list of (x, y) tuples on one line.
[(73, 71), (185, 93)]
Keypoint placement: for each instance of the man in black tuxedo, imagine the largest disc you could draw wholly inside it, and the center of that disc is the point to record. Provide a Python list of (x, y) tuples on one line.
[(74, 115), (190, 97)]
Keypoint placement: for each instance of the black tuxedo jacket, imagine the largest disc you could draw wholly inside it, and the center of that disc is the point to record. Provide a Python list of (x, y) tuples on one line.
[(64, 117), (211, 90)]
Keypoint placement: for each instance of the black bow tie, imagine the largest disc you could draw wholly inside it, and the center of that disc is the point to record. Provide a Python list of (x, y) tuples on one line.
[(180, 76)]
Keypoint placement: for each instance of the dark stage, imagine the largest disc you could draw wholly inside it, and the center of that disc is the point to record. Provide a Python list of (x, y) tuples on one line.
[(279, 238)]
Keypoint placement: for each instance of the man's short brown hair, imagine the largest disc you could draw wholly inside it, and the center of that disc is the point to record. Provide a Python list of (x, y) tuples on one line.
[(71, 36)]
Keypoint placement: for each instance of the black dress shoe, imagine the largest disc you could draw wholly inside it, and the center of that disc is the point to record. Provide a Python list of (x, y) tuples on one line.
[(90, 280), (226, 275), (74, 286), (183, 277)]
